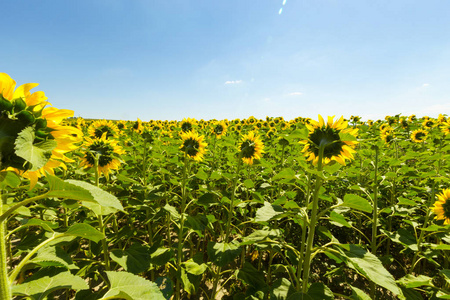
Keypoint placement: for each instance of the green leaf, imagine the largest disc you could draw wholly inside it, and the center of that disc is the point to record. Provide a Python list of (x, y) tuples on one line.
[(135, 259), (285, 174), (357, 202), (37, 154), (46, 225), (194, 268), (85, 231), (320, 291), (446, 274), (161, 256), (358, 294), (53, 256), (411, 281), (369, 266), (172, 211), (260, 236), (248, 183), (131, 287), (339, 219), (82, 191), (281, 289), (39, 285), (267, 212), (252, 276), (8, 178), (223, 253), (404, 237), (201, 174)]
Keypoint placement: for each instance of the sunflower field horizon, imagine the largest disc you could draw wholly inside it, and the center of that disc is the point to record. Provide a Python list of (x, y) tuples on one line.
[(257, 209)]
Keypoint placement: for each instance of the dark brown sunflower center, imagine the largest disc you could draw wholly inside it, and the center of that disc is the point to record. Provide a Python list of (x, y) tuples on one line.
[(218, 130), (190, 146), (429, 124), (328, 137), (247, 149), (103, 151), (186, 126), (446, 208), (420, 136)]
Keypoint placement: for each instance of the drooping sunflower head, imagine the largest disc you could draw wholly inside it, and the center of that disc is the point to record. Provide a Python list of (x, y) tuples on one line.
[(369, 122), (387, 134), (219, 129), (251, 148), (419, 135), (98, 128), (337, 139), (106, 151), (122, 125), (441, 118), (187, 124), (442, 207), (28, 126), (193, 145)]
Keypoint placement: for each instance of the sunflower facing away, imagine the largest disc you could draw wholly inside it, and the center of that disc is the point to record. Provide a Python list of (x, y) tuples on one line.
[(28, 126), (251, 147), (419, 135), (338, 139), (98, 128), (193, 145), (442, 207), (107, 152)]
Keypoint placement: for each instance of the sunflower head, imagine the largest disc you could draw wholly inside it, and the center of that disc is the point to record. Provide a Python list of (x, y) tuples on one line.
[(219, 129), (106, 151), (251, 148), (412, 118), (441, 118), (98, 128), (442, 206), (387, 134), (445, 127), (419, 135), (137, 126), (187, 124), (428, 124), (28, 126), (336, 138), (193, 145)]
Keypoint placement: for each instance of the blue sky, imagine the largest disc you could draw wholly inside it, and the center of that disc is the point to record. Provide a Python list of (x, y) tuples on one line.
[(129, 59)]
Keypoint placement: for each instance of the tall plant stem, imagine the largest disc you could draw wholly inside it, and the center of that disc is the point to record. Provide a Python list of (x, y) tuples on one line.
[(312, 222), (5, 287), (180, 232), (374, 217), (100, 218)]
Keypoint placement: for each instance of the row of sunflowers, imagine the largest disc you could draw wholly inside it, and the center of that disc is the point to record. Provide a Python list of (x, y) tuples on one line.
[(220, 209)]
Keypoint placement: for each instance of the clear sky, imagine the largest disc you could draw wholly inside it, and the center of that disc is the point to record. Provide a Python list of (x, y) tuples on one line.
[(149, 59)]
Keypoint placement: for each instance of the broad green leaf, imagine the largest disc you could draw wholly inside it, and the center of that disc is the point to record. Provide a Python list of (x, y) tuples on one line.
[(8, 178), (82, 191), (404, 201), (197, 223), (201, 174), (252, 276), (194, 268), (37, 154), (248, 183), (404, 237), (53, 256), (358, 294), (370, 266), (446, 274), (281, 289), (261, 235), (161, 256), (319, 291), (357, 202), (44, 282), (46, 225), (411, 281), (299, 296), (172, 211), (267, 212), (135, 259), (285, 174), (85, 231), (131, 287), (339, 220), (222, 254)]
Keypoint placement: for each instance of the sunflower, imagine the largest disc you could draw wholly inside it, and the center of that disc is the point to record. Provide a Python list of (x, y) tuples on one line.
[(445, 127), (412, 118), (193, 145), (122, 125), (105, 150), (387, 134), (25, 121), (137, 126), (419, 135), (219, 129), (441, 118), (251, 147), (442, 207), (187, 124), (428, 124), (337, 138), (98, 128)]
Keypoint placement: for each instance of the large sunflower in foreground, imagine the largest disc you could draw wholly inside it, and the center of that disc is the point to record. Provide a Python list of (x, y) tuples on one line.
[(98, 128), (193, 145), (336, 137), (33, 140), (105, 150), (251, 147), (442, 206), (419, 135)]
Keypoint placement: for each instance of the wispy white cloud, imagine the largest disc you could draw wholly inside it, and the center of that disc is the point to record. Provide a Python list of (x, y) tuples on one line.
[(295, 94), (233, 81), (425, 85)]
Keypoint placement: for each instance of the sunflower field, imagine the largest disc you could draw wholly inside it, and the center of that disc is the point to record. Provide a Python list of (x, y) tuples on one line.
[(255, 209)]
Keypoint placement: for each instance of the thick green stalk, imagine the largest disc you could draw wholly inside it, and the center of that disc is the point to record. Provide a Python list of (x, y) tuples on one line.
[(100, 219), (312, 222), (180, 232), (5, 287), (374, 218)]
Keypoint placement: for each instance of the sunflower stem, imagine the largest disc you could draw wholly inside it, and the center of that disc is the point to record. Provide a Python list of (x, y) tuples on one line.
[(5, 287), (374, 218), (313, 221)]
